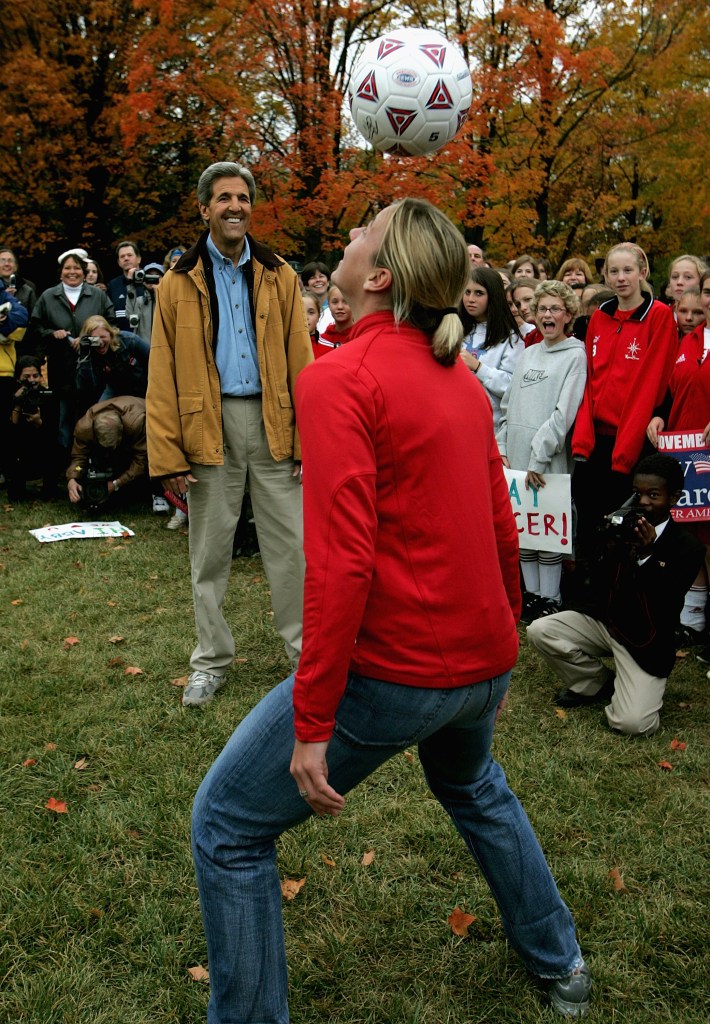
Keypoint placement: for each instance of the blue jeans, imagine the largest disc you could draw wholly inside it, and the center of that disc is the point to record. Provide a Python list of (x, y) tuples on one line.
[(248, 798)]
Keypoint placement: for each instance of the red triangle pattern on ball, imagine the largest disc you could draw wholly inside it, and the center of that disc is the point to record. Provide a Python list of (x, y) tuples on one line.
[(440, 98), (435, 52), (367, 89), (400, 118), (387, 46)]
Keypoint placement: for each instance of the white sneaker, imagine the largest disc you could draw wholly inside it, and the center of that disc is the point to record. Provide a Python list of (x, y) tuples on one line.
[(160, 504), (201, 688), (176, 520)]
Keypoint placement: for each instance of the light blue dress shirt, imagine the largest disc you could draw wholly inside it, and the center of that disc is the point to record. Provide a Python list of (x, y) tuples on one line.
[(236, 355)]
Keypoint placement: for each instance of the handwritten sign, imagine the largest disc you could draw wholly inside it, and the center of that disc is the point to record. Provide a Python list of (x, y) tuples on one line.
[(688, 448), (80, 531), (543, 517)]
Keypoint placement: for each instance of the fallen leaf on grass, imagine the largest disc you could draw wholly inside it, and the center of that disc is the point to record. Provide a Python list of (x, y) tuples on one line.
[(112, 604), (681, 654), (367, 858), (29, 762), (81, 764), (460, 922), (58, 806), (678, 745), (241, 661), (198, 973), (615, 876), (50, 746), (290, 887), (8, 508), (17, 601), (71, 641), (94, 788), (116, 639), (686, 705), (560, 712), (181, 681), (24, 645), (116, 662), (257, 579), (409, 756), (133, 670), (666, 766), (327, 860)]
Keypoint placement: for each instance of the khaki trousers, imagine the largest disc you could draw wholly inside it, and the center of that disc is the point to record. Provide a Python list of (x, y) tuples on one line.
[(573, 645), (214, 504)]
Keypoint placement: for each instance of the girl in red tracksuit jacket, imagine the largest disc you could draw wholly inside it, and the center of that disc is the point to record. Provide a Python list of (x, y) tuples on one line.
[(690, 410), (632, 345)]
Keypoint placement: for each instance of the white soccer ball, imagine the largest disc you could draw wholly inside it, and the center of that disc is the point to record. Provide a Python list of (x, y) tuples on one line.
[(410, 92)]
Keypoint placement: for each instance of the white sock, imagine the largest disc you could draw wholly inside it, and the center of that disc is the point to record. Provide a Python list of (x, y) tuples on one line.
[(531, 571), (693, 614)]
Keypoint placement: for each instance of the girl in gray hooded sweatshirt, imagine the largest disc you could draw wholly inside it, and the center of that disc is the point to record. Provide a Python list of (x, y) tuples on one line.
[(537, 415)]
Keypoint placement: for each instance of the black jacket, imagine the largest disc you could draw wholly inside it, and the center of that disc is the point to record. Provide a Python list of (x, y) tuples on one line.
[(641, 604)]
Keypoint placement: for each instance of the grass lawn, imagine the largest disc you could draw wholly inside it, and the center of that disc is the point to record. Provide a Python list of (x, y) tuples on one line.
[(100, 921)]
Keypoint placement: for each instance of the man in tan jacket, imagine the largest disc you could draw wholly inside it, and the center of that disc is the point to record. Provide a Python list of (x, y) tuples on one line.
[(229, 339)]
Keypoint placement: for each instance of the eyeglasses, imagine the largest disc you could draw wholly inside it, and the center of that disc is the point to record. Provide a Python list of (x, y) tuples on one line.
[(554, 310)]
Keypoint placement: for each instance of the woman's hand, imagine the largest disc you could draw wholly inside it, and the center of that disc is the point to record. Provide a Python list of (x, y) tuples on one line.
[(534, 480), (653, 428), (470, 360), (310, 770)]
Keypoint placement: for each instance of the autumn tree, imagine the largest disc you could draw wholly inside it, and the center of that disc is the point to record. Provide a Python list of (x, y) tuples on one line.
[(61, 159), (584, 117), (561, 113)]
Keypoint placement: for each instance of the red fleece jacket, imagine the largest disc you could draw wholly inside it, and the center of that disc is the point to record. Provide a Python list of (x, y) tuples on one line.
[(690, 385), (411, 545), (629, 363)]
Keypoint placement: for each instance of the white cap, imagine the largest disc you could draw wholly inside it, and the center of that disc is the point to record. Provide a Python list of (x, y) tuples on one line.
[(81, 253)]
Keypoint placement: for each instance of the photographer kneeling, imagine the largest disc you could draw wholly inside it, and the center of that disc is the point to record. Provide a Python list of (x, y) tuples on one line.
[(109, 450), (110, 363), (630, 609), (32, 453)]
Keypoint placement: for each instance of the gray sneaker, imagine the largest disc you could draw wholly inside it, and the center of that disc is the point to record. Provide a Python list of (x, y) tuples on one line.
[(570, 996), (201, 688)]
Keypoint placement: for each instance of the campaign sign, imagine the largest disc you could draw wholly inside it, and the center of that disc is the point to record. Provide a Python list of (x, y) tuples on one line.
[(80, 531), (543, 517), (687, 446)]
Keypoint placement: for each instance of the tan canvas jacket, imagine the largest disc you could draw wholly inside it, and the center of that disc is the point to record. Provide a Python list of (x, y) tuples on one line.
[(184, 412)]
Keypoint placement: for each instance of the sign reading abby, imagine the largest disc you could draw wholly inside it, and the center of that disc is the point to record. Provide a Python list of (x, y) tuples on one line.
[(543, 517), (689, 448)]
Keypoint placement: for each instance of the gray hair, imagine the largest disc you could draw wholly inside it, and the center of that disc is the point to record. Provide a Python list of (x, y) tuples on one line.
[(223, 169), (108, 428)]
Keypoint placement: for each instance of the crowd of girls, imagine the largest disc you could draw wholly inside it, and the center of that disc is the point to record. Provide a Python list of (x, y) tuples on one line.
[(582, 375)]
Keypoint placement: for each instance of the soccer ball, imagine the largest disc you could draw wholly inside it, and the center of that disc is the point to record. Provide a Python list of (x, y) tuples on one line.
[(410, 91)]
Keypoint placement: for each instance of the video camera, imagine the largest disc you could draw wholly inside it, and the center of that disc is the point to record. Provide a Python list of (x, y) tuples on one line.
[(89, 341), (621, 524), (146, 277), (31, 398), (95, 485)]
